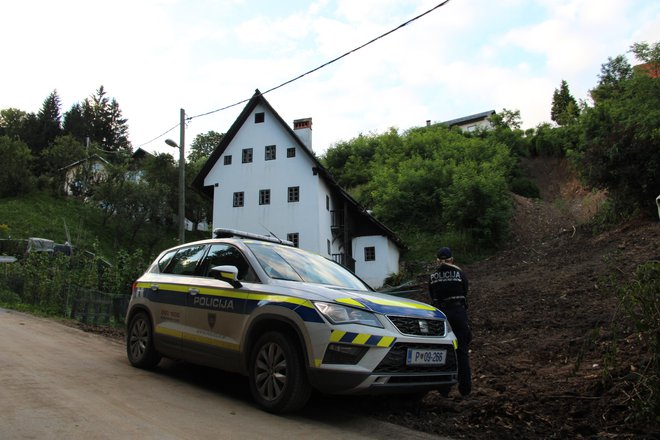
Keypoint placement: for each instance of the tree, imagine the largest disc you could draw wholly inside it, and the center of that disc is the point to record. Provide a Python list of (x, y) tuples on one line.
[(621, 150), (612, 75), (203, 145), (564, 109), (50, 120), (650, 55), (12, 122), (99, 118), (129, 205), (161, 171), (506, 119), (64, 151), (15, 162), (198, 207)]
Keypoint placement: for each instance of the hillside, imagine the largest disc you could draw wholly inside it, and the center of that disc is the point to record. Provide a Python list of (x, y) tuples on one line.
[(543, 313), (546, 324)]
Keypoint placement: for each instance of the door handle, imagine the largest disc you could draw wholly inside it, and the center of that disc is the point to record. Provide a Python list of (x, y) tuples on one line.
[(154, 287), (193, 291)]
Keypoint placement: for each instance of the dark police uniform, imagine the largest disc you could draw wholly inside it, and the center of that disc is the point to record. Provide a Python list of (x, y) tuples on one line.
[(448, 288)]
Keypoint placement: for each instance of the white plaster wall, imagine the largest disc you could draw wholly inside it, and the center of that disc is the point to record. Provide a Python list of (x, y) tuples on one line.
[(280, 217), (386, 263)]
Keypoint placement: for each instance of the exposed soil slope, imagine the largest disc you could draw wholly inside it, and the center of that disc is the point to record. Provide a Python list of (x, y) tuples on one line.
[(542, 313)]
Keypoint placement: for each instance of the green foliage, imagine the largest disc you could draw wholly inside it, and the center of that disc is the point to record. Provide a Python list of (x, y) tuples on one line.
[(550, 141), (203, 145), (621, 150), (15, 162), (350, 162), (477, 202), (100, 119), (613, 74), (4, 231), (198, 206), (523, 186), (430, 178), (52, 284), (640, 305), (564, 109)]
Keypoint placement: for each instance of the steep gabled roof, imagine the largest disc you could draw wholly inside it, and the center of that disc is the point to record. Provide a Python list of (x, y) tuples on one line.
[(468, 119), (258, 98), (78, 162)]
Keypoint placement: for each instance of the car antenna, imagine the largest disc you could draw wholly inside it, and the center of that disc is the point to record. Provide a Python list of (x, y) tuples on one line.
[(271, 233)]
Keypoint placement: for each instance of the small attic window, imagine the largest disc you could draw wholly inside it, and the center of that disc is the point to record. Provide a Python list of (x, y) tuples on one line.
[(259, 117)]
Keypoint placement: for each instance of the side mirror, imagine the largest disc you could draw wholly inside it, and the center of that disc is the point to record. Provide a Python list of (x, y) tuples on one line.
[(228, 274)]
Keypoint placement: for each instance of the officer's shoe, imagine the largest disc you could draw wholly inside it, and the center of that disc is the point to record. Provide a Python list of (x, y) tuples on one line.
[(444, 390), (464, 389)]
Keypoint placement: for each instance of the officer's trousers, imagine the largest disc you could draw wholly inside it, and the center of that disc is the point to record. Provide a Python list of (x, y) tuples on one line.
[(458, 319)]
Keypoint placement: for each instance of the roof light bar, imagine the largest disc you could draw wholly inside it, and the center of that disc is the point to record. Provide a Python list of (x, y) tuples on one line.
[(230, 233)]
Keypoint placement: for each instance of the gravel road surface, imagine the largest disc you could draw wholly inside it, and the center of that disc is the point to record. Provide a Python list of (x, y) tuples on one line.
[(58, 382)]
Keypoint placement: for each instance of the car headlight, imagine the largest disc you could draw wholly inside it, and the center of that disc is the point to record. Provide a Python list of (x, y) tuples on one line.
[(340, 314)]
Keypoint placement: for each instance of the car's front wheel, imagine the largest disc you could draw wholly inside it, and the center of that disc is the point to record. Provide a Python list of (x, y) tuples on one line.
[(278, 380), (140, 342)]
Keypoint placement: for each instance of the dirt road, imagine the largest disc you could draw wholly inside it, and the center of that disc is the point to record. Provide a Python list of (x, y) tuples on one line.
[(59, 382)]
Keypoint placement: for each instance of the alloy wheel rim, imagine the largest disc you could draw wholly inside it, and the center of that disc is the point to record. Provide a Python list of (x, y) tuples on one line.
[(271, 371)]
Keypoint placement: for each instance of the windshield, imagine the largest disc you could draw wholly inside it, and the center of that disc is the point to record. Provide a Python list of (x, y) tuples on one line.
[(293, 264)]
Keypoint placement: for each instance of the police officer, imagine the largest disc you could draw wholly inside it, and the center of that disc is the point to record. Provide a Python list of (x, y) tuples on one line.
[(448, 288)]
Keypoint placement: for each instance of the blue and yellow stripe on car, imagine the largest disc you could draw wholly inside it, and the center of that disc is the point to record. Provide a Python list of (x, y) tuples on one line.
[(361, 339), (242, 302), (389, 306)]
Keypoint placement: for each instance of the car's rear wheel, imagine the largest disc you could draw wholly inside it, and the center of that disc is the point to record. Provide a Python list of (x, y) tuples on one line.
[(140, 342), (278, 380)]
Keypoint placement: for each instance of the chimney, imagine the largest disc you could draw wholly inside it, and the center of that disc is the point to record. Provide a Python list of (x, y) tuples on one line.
[(303, 128)]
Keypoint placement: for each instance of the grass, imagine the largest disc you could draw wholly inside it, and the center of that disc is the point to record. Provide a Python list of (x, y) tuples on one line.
[(41, 215)]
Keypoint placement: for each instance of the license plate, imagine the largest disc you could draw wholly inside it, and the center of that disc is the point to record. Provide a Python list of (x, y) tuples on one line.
[(426, 357)]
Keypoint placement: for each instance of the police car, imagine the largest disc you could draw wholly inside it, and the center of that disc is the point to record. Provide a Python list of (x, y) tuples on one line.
[(290, 320)]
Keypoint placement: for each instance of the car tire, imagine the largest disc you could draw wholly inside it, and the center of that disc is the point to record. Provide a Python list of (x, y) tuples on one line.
[(140, 342), (278, 380)]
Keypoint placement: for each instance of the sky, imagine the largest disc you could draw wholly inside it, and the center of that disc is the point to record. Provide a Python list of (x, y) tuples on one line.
[(156, 57)]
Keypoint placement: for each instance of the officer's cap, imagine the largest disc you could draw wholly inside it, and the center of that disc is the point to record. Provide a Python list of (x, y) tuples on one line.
[(444, 253)]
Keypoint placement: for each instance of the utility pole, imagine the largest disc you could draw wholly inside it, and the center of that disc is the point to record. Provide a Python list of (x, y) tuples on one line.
[(182, 176), (182, 179)]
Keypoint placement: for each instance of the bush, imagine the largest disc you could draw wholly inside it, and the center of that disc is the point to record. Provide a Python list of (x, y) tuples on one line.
[(640, 304), (525, 187)]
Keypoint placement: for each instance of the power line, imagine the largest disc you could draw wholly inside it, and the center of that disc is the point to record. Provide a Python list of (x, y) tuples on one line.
[(441, 4)]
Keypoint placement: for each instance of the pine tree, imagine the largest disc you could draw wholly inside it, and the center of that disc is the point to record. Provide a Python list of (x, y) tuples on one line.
[(99, 118), (50, 121), (564, 107)]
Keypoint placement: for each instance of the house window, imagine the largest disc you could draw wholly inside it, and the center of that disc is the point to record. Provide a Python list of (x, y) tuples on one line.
[(329, 248), (370, 253), (247, 155), (239, 199), (327, 203), (259, 117), (270, 152), (228, 159), (291, 152), (264, 197), (293, 194), (294, 238)]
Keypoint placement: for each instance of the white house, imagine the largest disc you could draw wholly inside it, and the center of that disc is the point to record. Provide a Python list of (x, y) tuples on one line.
[(264, 178), (478, 121), (82, 173)]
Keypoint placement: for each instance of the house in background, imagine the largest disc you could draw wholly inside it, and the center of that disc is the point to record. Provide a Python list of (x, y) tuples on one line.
[(479, 121), (79, 175), (264, 178)]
